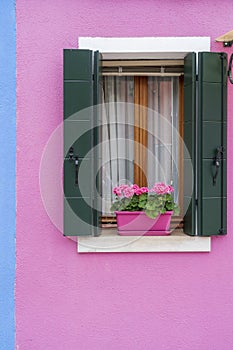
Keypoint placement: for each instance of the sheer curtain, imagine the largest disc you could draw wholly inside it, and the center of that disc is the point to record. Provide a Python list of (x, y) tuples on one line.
[(118, 133), (163, 131)]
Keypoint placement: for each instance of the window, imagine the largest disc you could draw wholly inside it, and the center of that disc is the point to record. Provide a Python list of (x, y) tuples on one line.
[(144, 119), (204, 136)]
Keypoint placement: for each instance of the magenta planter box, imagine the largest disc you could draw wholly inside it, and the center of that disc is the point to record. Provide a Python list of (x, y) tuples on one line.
[(136, 223)]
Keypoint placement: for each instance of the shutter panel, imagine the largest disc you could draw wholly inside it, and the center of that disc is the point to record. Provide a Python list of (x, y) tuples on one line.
[(212, 130), (79, 133), (97, 211), (189, 140)]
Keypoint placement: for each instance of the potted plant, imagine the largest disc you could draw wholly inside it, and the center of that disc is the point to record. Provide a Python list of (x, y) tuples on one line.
[(144, 211)]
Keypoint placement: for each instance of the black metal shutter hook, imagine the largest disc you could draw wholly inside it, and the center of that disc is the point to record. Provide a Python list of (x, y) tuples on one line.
[(76, 162), (216, 162)]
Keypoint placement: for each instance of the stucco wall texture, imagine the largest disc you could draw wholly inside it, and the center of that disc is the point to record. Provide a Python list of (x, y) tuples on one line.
[(7, 172), (66, 301)]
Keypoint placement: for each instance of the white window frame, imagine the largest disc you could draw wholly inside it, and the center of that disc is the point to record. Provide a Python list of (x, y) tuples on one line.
[(139, 48)]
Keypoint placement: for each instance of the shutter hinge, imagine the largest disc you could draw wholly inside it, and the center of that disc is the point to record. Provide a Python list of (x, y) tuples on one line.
[(196, 77), (221, 231), (196, 202)]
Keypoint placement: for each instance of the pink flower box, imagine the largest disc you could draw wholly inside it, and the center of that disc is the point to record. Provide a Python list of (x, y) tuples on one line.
[(137, 223)]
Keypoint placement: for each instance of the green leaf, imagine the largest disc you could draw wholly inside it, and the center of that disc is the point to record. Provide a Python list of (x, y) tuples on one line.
[(143, 197), (150, 206), (142, 204), (169, 206), (135, 199), (152, 213), (176, 210)]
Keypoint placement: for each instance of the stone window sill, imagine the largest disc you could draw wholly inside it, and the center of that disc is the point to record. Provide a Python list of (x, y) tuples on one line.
[(110, 242)]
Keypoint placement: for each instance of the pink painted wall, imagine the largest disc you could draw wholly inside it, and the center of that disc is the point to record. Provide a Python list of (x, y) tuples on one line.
[(66, 301)]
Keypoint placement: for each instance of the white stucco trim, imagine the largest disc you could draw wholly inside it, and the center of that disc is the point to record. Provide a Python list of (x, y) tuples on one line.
[(146, 44), (110, 242)]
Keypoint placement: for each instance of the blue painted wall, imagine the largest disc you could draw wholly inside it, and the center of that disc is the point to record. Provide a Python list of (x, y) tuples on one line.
[(7, 172)]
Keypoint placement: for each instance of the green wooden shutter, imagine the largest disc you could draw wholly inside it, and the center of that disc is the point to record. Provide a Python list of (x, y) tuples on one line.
[(79, 133), (189, 140), (97, 212), (212, 128)]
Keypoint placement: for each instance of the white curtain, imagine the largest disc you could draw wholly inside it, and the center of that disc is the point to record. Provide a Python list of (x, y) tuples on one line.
[(118, 133), (163, 132), (117, 136)]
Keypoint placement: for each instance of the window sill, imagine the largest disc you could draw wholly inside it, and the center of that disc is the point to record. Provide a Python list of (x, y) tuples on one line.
[(110, 242)]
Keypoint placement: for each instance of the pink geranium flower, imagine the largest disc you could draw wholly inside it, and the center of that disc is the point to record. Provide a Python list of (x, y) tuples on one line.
[(171, 189), (144, 189), (138, 191), (160, 188), (128, 192), (159, 196), (123, 187), (117, 191)]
